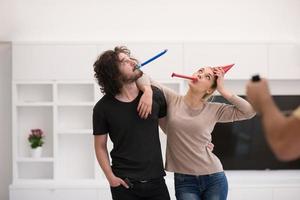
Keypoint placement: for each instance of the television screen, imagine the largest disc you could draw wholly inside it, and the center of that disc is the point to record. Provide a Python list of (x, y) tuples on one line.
[(242, 146)]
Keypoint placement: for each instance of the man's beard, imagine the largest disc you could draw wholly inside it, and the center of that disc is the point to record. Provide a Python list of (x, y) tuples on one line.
[(132, 78)]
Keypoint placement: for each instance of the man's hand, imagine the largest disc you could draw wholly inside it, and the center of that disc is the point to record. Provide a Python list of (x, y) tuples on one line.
[(258, 94), (116, 181), (145, 104)]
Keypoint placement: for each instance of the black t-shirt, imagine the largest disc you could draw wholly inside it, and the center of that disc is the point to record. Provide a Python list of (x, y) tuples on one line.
[(136, 149)]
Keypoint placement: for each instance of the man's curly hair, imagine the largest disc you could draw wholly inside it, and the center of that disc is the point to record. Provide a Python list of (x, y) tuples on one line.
[(107, 71)]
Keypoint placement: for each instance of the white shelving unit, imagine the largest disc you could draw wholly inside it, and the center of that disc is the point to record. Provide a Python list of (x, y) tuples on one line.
[(33, 108), (63, 111)]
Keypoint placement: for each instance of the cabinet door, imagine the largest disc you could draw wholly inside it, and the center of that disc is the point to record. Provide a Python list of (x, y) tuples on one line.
[(292, 193), (162, 67), (250, 193), (76, 194), (31, 194), (48, 61), (284, 61), (54, 194), (249, 59)]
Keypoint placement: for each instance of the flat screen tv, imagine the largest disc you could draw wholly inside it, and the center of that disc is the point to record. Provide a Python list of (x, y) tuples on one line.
[(242, 145)]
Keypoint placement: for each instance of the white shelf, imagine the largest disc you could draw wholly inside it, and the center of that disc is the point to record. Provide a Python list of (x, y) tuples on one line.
[(75, 93), (29, 159), (31, 118), (75, 152), (34, 93), (24, 104), (66, 104), (74, 117), (35, 170), (76, 131)]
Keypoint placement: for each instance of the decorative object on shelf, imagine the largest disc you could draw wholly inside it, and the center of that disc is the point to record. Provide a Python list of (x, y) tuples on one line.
[(36, 142)]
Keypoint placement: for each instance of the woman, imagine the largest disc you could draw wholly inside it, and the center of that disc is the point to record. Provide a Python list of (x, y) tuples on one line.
[(188, 125)]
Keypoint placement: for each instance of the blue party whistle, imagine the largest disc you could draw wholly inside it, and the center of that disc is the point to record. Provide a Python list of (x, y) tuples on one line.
[(153, 58)]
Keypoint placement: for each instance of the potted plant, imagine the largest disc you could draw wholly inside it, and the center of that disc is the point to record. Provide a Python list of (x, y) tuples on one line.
[(36, 142)]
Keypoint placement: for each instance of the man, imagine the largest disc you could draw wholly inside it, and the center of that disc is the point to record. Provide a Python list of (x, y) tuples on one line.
[(282, 133), (137, 168)]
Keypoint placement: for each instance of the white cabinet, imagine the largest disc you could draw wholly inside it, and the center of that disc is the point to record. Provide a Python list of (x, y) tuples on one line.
[(292, 193), (76, 194), (30, 194), (263, 184), (75, 61), (63, 111), (250, 193), (55, 194), (53, 61), (284, 61), (249, 59), (272, 192)]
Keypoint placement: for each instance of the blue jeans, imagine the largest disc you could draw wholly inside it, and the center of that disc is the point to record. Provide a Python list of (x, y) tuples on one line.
[(206, 187)]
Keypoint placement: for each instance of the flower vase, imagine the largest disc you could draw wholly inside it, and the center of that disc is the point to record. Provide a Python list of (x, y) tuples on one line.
[(36, 152)]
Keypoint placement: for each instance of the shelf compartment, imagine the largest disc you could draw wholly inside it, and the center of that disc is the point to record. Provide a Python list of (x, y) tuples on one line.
[(74, 117), (35, 170), (76, 131), (75, 152), (31, 118), (34, 93), (75, 93), (34, 104), (29, 159)]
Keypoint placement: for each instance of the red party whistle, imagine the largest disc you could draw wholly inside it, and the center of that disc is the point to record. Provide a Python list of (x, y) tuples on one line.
[(184, 76)]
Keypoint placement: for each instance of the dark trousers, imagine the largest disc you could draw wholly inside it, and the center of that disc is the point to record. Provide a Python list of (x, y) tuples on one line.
[(151, 190)]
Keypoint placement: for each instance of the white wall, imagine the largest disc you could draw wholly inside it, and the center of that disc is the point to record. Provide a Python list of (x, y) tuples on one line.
[(6, 20), (5, 120), (101, 20)]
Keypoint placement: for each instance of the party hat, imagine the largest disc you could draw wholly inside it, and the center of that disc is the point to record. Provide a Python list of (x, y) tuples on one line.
[(226, 68)]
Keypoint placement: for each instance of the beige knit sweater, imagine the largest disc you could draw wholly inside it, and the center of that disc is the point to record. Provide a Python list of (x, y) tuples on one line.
[(189, 131)]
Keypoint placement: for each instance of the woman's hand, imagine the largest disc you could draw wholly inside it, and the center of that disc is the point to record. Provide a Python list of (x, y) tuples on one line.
[(219, 73), (145, 104)]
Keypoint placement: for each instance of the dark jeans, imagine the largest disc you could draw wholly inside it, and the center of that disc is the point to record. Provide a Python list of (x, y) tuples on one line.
[(206, 187), (152, 190)]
